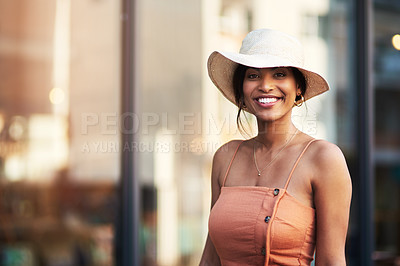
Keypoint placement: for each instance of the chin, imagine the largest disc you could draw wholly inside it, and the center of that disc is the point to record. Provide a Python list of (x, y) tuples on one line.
[(269, 118)]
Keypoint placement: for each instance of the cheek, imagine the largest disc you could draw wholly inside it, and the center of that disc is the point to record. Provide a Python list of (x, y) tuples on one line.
[(290, 89), (245, 86), (247, 90)]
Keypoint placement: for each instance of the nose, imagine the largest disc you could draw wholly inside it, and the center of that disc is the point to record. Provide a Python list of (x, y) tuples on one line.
[(266, 84)]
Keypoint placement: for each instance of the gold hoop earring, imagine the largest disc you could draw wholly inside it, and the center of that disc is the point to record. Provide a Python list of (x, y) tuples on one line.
[(299, 102)]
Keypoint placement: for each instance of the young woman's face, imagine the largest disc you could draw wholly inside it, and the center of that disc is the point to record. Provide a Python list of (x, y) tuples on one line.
[(269, 93)]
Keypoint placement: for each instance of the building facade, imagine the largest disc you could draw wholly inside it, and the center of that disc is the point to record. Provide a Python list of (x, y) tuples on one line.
[(108, 122)]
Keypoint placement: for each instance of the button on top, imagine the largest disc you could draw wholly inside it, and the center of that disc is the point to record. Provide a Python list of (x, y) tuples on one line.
[(267, 219), (276, 191), (263, 252)]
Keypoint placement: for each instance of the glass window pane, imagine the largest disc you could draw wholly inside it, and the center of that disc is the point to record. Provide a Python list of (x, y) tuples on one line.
[(387, 132), (59, 157)]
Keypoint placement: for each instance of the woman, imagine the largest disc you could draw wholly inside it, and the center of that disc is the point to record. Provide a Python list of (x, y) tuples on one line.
[(281, 196)]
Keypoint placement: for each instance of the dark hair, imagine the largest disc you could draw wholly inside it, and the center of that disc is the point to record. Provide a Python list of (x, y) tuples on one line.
[(238, 78), (301, 82)]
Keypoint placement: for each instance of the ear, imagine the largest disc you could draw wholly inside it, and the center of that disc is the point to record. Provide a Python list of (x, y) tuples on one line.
[(243, 103), (298, 90)]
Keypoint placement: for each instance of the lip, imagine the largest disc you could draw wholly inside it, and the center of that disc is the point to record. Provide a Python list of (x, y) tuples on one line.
[(267, 101)]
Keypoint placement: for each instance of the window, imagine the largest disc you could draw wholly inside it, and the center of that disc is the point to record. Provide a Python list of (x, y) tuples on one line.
[(59, 158)]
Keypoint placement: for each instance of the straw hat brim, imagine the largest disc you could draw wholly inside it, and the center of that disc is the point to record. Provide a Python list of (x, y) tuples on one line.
[(222, 65)]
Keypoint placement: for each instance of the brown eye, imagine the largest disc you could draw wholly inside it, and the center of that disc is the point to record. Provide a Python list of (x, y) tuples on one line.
[(252, 76), (280, 74)]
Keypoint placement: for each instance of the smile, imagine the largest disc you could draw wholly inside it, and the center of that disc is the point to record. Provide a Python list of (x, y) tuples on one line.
[(267, 101)]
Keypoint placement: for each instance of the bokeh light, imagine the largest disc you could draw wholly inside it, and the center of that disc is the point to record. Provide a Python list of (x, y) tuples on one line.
[(17, 128), (396, 41), (56, 96), (2, 122)]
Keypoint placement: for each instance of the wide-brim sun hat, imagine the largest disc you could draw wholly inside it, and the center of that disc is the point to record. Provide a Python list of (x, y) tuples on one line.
[(263, 48)]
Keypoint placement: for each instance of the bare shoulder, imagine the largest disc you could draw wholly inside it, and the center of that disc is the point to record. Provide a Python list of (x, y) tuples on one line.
[(221, 160), (328, 162), (226, 151), (223, 156), (326, 152)]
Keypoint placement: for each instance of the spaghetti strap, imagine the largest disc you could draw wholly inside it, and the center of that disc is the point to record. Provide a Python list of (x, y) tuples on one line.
[(230, 164), (297, 161)]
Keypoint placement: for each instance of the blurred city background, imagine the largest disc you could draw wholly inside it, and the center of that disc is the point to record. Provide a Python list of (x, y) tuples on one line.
[(78, 77)]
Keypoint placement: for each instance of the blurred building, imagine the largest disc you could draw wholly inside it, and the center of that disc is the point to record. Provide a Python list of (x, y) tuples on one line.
[(68, 69), (60, 80)]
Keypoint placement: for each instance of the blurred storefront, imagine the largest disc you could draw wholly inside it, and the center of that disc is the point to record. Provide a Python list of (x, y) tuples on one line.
[(386, 157), (60, 80), (108, 122)]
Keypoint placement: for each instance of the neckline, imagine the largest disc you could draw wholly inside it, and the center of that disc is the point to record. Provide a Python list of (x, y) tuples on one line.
[(291, 172), (261, 188)]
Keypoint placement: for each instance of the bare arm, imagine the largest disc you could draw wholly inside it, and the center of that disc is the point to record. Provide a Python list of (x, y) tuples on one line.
[(210, 256), (332, 196)]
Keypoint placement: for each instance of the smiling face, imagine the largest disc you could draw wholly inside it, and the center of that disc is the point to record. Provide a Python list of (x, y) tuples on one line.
[(269, 93)]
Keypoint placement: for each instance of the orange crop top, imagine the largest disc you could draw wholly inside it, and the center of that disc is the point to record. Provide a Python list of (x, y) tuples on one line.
[(252, 225)]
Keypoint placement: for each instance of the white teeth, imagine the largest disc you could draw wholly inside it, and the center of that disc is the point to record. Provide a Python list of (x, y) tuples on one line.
[(267, 100)]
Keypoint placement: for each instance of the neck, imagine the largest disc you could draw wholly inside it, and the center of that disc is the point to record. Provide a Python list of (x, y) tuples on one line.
[(275, 133)]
